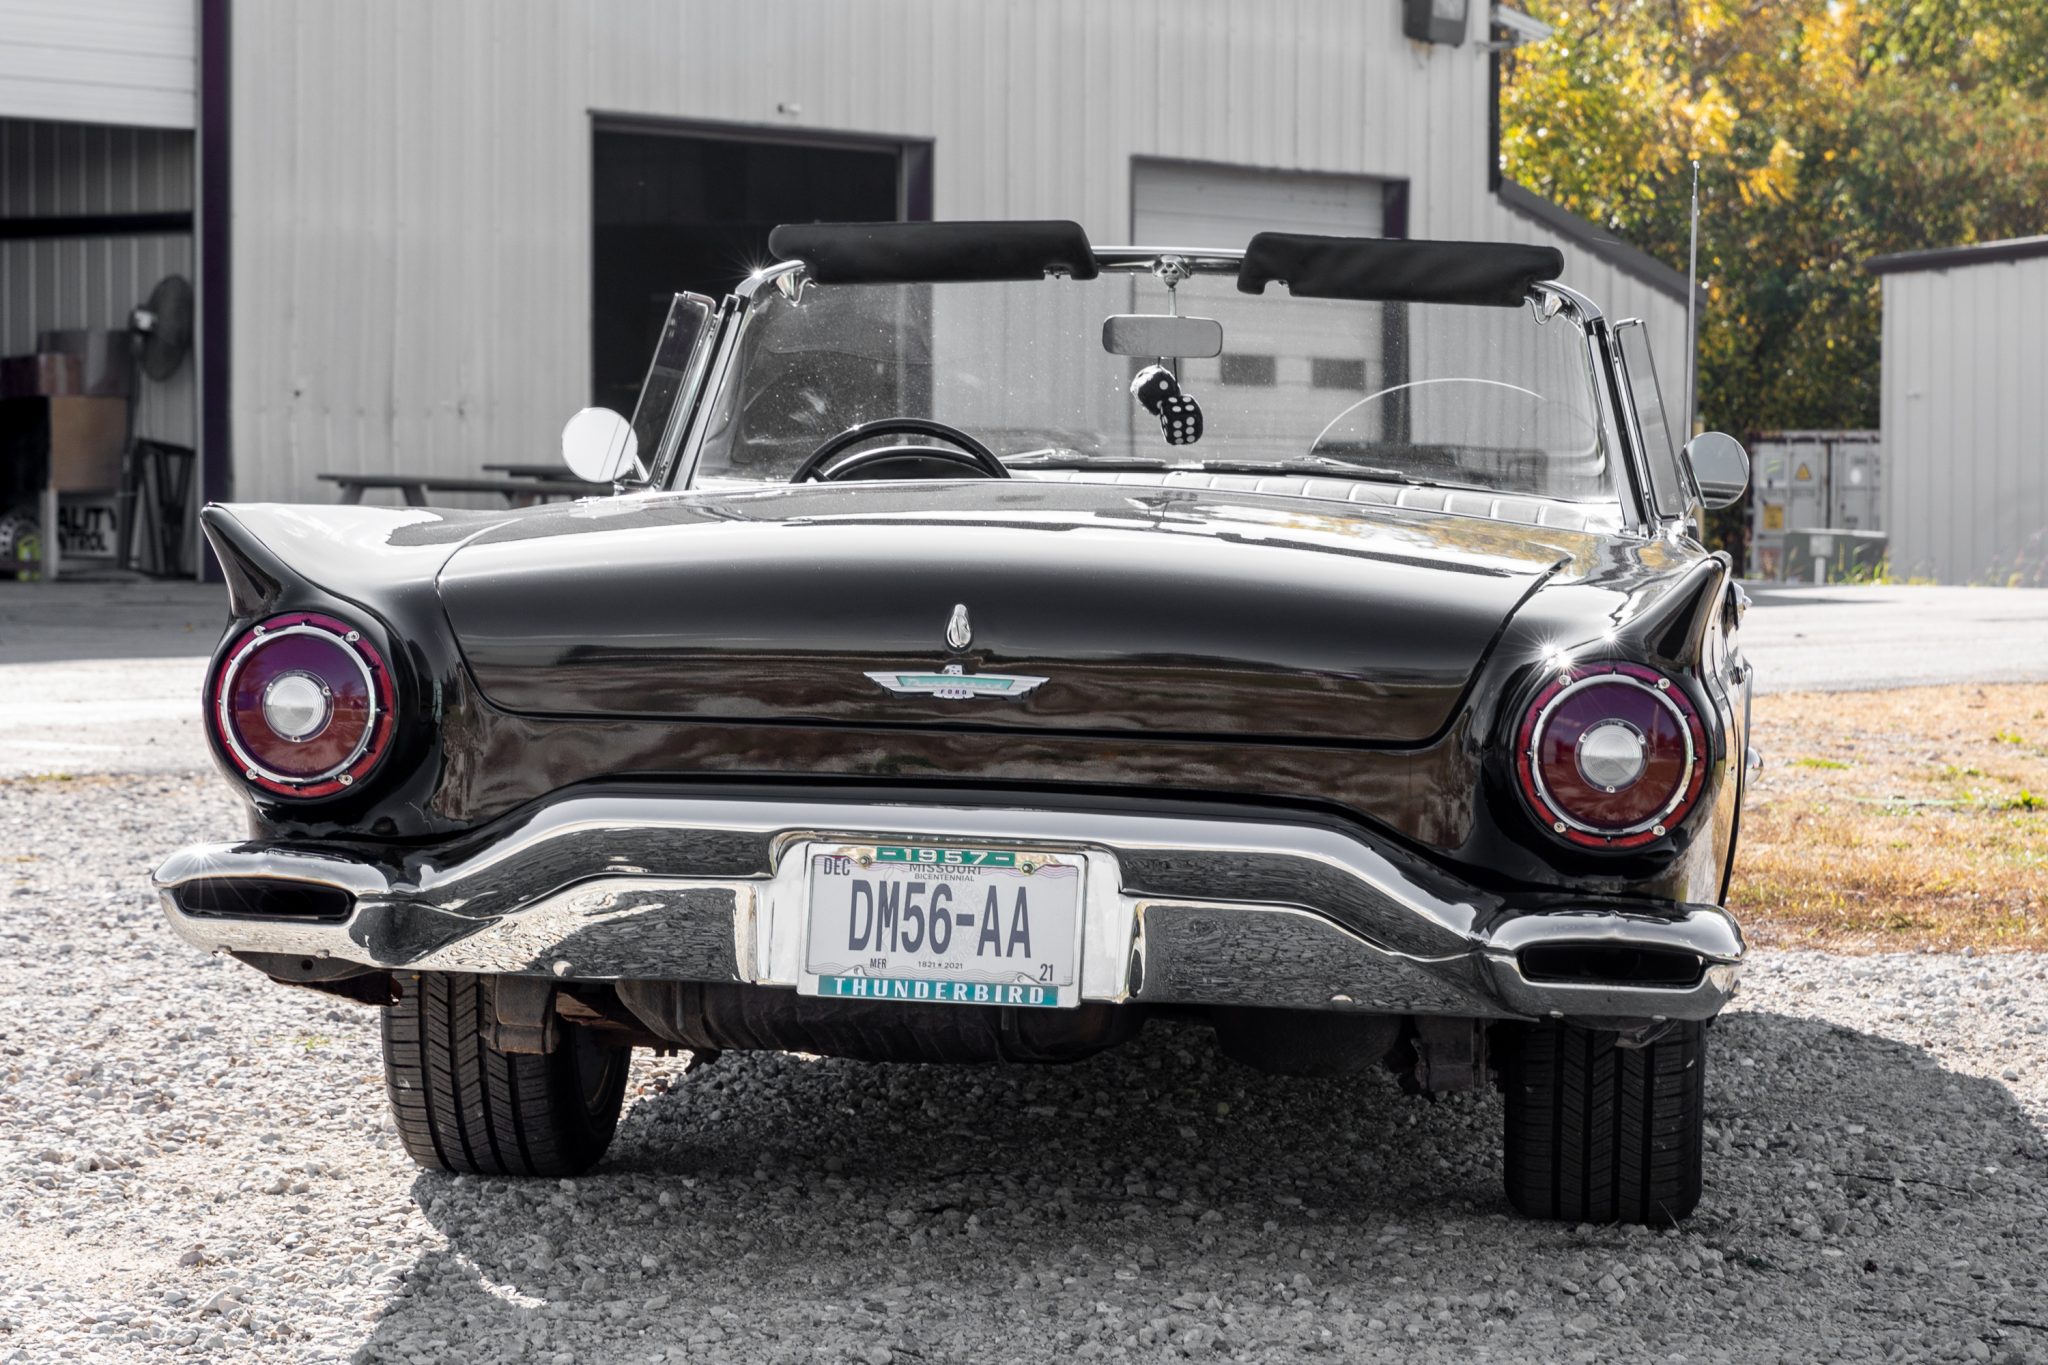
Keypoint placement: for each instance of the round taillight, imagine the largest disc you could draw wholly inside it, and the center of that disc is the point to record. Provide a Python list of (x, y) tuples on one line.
[(303, 705), (1611, 755)]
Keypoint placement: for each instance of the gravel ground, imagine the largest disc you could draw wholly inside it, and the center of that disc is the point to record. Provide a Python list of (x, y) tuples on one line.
[(195, 1164), (1849, 638)]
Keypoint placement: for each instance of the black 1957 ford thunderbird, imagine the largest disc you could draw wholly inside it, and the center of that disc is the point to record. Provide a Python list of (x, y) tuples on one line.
[(995, 641)]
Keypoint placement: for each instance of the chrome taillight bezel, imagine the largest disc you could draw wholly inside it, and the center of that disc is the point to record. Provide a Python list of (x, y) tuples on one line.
[(1574, 681), (368, 751)]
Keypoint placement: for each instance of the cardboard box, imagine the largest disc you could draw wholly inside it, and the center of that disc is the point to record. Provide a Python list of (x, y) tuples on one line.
[(47, 374), (106, 364), (86, 440)]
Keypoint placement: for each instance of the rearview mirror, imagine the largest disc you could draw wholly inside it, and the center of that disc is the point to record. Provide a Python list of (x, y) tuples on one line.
[(1155, 336), (599, 446), (1720, 466)]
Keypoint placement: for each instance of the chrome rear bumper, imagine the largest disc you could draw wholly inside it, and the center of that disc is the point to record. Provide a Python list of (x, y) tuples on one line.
[(1179, 909)]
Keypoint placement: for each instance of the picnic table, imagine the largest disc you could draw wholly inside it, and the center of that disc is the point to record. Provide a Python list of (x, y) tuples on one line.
[(547, 471), (413, 488)]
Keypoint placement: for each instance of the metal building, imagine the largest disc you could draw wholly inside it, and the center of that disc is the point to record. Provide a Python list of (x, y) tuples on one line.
[(1964, 411), (428, 232)]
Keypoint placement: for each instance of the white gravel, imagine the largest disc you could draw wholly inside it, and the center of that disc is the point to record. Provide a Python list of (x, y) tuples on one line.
[(195, 1164)]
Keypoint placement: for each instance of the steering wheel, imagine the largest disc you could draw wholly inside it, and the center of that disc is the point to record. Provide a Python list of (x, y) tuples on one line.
[(971, 455)]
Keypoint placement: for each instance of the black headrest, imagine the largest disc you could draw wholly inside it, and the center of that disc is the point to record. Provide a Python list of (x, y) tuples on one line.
[(910, 253), (1397, 271)]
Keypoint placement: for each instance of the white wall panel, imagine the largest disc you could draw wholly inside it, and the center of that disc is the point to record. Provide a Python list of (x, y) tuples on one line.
[(1965, 419), (126, 62), (412, 181)]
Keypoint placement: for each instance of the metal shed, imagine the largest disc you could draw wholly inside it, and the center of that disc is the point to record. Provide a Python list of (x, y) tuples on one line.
[(414, 228), (413, 281), (1965, 411)]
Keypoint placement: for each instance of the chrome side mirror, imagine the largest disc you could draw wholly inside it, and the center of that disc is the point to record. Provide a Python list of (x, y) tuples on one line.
[(1720, 466), (599, 446)]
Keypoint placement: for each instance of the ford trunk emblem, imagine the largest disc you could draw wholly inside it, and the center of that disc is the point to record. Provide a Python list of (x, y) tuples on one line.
[(954, 683)]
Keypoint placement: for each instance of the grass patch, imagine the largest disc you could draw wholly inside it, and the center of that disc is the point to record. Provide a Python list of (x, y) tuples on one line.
[(1931, 832)]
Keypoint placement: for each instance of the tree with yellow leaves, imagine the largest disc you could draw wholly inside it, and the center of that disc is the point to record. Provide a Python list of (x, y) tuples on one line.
[(1828, 132)]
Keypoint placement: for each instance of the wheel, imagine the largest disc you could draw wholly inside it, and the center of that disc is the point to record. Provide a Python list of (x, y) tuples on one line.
[(1601, 1133), (462, 1105)]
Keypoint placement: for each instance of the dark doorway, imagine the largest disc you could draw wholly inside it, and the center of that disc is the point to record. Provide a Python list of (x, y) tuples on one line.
[(686, 209)]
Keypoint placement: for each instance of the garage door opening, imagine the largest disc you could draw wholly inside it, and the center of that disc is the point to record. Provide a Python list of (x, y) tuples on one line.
[(1285, 357), (683, 208)]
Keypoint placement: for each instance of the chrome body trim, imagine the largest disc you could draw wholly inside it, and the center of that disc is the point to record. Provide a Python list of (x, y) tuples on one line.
[(1178, 909)]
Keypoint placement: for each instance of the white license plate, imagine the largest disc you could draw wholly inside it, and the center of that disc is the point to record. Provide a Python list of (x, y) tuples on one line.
[(942, 924)]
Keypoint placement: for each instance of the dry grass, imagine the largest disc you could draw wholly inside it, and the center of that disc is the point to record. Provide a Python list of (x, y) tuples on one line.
[(1915, 818)]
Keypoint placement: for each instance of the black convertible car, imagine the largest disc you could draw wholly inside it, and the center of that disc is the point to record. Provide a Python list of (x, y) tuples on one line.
[(996, 641)]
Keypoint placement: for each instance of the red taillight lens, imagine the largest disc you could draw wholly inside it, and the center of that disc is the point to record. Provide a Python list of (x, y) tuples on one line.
[(1611, 755), (304, 705)]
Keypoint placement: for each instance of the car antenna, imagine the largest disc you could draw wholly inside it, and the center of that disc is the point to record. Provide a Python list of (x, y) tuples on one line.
[(1692, 313)]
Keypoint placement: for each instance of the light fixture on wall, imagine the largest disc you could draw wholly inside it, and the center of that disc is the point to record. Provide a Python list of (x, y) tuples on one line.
[(1436, 21)]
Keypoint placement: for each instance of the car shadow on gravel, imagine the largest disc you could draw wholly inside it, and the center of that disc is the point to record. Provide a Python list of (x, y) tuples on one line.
[(1164, 1198)]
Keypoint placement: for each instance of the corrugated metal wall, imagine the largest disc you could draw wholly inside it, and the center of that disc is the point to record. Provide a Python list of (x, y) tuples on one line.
[(1964, 412), (411, 182), (125, 62), (68, 169)]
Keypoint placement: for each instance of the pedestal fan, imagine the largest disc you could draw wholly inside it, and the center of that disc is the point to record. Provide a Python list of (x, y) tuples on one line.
[(159, 338)]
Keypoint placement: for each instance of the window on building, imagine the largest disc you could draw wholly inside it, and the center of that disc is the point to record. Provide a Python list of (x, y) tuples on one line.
[(1329, 372), (1259, 371)]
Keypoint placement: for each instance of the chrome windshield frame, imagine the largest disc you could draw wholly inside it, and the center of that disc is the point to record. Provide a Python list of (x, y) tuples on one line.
[(1632, 490)]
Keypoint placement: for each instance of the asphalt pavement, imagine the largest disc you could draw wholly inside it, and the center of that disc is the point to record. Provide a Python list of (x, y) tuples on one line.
[(105, 676), (1852, 639)]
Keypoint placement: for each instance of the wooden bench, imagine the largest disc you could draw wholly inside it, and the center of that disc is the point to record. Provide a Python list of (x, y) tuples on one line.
[(413, 488), (512, 469)]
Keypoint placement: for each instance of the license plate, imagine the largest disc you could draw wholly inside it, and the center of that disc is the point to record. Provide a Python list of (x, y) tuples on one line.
[(943, 924)]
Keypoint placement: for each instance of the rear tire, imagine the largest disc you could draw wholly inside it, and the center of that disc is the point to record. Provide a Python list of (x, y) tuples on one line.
[(1599, 1133), (462, 1105)]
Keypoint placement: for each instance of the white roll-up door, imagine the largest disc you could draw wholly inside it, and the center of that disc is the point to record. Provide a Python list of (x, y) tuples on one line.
[(1197, 204), (128, 62), (1281, 359)]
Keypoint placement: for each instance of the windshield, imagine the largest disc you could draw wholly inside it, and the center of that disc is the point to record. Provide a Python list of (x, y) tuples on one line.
[(1462, 396)]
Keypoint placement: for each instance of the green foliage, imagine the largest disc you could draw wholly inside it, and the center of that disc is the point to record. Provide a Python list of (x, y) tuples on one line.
[(1828, 132)]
